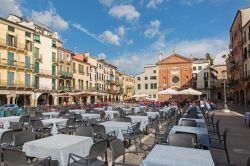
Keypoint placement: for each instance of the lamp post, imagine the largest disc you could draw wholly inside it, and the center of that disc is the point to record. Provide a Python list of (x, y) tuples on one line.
[(224, 72)]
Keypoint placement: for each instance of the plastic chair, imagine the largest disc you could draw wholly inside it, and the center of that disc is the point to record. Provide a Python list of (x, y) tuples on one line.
[(22, 137), (84, 131), (181, 140), (188, 122), (96, 150)]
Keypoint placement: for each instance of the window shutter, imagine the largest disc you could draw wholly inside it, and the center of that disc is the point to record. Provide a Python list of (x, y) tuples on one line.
[(7, 39), (31, 46), (15, 41)]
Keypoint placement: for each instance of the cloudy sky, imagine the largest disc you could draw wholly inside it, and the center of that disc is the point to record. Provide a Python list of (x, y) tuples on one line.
[(131, 33)]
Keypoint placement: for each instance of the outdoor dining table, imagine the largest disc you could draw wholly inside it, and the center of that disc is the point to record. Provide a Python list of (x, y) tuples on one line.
[(153, 114), (50, 114), (78, 111), (110, 114), (54, 122), (6, 120), (142, 119), (90, 116), (58, 147), (202, 133), (165, 155), (111, 126), (199, 122)]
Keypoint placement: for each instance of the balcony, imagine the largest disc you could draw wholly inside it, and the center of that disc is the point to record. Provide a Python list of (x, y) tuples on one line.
[(65, 88), (15, 84), (65, 73), (16, 65)]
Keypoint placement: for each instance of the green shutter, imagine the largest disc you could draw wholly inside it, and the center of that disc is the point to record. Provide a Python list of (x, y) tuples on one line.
[(37, 37), (30, 46), (15, 41), (7, 39), (36, 67), (53, 70)]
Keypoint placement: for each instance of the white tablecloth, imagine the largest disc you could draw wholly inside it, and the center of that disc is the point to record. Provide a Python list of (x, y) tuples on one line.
[(152, 114), (50, 114), (247, 118), (117, 127), (78, 111), (164, 155), (110, 114), (202, 133), (47, 122), (6, 120), (200, 122), (90, 116), (58, 147), (142, 119)]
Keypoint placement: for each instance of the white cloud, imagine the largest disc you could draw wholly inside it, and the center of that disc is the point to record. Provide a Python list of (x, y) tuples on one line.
[(101, 56), (192, 2), (121, 31), (109, 37), (106, 2), (10, 7), (153, 3), (50, 18), (153, 29), (125, 11), (133, 62)]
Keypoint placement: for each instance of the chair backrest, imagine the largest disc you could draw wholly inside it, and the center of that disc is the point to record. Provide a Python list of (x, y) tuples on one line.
[(117, 120), (22, 137), (127, 119), (15, 126), (92, 122), (118, 149), (44, 162), (78, 117), (67, 116), (99, 129), (116, 115), (71, 122), (19, 159), (194, 135), (24, 119), (188, 122), (98, 149), (37, 124), (7, 137), (84, 131), (136, 128), (39, 114), (181, 140)]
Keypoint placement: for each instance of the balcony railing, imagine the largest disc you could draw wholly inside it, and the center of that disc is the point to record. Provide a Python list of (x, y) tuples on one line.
[(65, 88), (65, 73), (15, 64), (16, 84)]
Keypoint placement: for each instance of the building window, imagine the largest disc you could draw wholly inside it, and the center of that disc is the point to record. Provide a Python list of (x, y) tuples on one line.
[(11, 28), (53, 57), (153, 78), (154, 95), (10, 59), (74, 67), (194, 84), (146, 78), (138, 86), (164, 80), (36, 82), (194, 68), (200, 68), (36, 70), (175, 79), (27, 34), (154, 71), (54, 70), (138, 78), (36, 52), (155, 85), (11, 40), (146, 86), (27, 62), (194, 76), (54, 43), (152, 86), (205, 75), (206, 84), (28, 45), (27, 80), (37, 38), (10, 79)]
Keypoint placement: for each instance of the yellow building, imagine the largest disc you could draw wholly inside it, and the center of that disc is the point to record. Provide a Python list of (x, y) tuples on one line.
[(16, 63), (127, 83)]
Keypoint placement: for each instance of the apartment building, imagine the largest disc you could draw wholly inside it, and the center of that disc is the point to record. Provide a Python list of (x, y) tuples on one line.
[(127, 83), (16, 63), (237, 61), (147, 82), (201, 77), (64, 73)]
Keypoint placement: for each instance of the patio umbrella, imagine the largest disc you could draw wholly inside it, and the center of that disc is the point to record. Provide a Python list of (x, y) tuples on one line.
[(190, 91), (168, 91), (139, 96)]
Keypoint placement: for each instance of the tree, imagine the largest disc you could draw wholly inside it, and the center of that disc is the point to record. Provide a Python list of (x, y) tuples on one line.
[(208, 57)]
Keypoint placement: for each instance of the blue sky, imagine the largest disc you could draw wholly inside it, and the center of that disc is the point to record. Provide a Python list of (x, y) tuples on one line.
[(131, 33)]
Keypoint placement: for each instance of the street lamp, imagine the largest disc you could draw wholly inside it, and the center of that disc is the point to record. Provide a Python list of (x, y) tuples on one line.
[(224, 73)]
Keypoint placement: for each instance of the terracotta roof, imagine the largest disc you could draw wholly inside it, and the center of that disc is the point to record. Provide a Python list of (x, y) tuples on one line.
[(79, 57)]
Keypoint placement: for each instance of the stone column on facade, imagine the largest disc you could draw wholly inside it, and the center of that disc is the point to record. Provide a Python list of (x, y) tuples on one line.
[(55, 100), (13, 100), (88, 99), (31, 100), (8, 99), (80, 100)]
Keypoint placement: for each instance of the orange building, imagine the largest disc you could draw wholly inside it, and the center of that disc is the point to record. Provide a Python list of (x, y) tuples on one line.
[(175, 72)]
